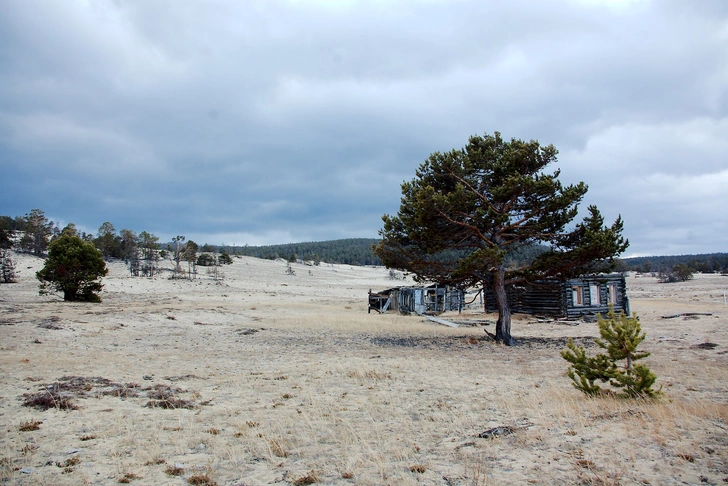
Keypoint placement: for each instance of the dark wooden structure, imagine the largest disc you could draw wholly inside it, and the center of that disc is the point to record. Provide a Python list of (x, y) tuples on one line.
[(420, 300), (588, 294)]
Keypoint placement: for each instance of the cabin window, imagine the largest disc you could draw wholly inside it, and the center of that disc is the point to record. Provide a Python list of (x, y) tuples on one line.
[(594, 297), (577, 294), (612, 293)]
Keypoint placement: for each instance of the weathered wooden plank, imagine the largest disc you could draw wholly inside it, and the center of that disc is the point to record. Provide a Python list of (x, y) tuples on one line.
[(687, 314), (441, 321)]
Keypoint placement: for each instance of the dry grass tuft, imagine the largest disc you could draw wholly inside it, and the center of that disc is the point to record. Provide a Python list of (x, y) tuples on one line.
[(173, 470), (59, 394), (68, 464), (276, 448), (47, 400), (369, 375), (122, 390), (128, 478), (8, 466), (311, 478), (30, 425), (589, 476), (71, 461), (29, 449), (586, 464), (7, 469), (162, 396), (687, 457), (202, 479)]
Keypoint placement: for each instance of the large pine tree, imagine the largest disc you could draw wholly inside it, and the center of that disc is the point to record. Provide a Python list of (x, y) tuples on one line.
[(468, 211)]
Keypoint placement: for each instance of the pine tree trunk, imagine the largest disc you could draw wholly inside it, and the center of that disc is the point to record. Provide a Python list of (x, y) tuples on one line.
[(503, 327)]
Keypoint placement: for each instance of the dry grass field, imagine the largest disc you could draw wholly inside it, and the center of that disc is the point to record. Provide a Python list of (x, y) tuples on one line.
[(269, 378)]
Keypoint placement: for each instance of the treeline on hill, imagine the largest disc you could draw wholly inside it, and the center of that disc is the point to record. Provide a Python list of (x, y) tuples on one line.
[(705, 263), (351, 251)]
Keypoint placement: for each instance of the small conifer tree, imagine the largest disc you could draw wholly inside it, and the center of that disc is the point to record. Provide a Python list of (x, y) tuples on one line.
[(620, 337), (225, 258), (7, 266), (74, 267)]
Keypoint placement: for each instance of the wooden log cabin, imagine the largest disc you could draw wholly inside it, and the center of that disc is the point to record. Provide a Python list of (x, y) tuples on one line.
[(573, 298)]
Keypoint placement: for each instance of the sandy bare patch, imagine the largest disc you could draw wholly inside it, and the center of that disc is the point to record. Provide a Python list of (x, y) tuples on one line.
[(267, 377)]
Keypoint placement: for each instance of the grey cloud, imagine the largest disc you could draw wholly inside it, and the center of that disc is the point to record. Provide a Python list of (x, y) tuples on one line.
[(280, 120)]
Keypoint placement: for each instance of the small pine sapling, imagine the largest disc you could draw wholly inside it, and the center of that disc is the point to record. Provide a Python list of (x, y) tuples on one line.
[(585, 371), (620, 337), (637, 382)]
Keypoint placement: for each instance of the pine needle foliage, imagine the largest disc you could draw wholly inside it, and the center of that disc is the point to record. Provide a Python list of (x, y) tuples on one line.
[(620, 337), (584, 370)]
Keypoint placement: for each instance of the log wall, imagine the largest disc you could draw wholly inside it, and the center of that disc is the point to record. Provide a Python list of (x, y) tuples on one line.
[(556, 298)]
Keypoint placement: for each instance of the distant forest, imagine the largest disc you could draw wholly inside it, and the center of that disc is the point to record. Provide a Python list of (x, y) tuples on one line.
[(358, 251), (351, 251), (705, 263)]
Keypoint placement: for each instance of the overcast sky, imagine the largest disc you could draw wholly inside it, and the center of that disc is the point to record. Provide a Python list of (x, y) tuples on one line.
[(263, 122)]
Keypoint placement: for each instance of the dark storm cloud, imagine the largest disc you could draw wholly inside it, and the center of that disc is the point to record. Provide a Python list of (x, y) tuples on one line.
[(269, 122)]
